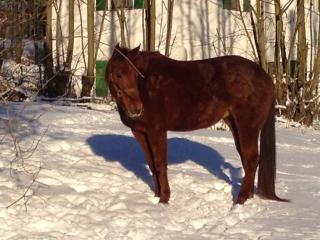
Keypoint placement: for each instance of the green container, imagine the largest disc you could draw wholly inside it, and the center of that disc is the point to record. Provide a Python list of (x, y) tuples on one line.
[(101, 5), (138, 4), (101, 86), (246, 5), (227, 4)]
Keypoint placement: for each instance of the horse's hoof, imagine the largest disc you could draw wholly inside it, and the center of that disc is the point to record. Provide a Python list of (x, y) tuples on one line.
[(273, 198), (164, 200), (241, 200)]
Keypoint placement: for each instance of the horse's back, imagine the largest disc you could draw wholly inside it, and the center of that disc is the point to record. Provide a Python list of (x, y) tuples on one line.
[(232, 79), (235, 67), (231, 73)]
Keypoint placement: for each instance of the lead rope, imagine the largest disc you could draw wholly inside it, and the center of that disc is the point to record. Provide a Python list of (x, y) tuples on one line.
[(131, 63)]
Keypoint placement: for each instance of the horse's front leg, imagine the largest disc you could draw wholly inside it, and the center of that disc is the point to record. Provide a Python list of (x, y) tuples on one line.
[(143, 141), (157, 141)]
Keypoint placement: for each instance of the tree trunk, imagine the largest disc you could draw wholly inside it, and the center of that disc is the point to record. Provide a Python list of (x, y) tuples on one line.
[(169, 26), (48, 42), (261, 34), (17, 35), (150, 24), (87, 81), (301, 59), (143, 23), (59, 37), (254, 45), (316, 66), (70, 35), (280, 96), (100, 31), (311, 91), (122, 20)]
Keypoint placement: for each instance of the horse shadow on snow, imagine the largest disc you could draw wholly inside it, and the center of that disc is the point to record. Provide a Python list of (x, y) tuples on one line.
[(127, 152)]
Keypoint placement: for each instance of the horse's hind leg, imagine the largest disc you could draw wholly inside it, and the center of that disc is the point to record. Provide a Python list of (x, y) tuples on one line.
[(229, 120), (248, 140)]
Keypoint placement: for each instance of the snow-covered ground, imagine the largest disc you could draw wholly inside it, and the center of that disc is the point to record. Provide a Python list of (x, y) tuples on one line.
[(94, 184)]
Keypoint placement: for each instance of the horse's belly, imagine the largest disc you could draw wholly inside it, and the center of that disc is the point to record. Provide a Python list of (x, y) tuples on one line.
[(196, 119)]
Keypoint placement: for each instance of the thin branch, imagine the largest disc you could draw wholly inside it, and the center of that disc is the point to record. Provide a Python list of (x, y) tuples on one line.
[(24, 195)]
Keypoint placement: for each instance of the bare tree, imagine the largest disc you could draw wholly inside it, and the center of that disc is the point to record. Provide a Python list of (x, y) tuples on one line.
[(100, 31), (18, 35), (150, 7), (87, 81), (310, 91), (169, 26), (302, 51), (122, 23), (48, 41), (277, 53), (299, 87), (261, 33), (70, 34)]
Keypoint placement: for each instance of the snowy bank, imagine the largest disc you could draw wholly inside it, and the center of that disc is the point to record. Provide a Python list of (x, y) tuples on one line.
[(94, 183)]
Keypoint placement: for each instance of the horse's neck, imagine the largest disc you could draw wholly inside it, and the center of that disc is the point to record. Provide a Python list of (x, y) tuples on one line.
[(147, 60), (151, 55)]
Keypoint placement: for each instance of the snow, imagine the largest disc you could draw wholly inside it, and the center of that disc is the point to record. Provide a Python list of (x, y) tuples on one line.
[(20, 78), (92, 182)]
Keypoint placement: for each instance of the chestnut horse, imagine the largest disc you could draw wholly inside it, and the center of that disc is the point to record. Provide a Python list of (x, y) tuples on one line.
[(156, 94)]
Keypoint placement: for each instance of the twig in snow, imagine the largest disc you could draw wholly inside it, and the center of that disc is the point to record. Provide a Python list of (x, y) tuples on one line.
[(24, 195)]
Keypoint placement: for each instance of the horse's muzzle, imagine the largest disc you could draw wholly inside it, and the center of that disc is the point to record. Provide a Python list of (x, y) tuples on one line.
[(135, 113)]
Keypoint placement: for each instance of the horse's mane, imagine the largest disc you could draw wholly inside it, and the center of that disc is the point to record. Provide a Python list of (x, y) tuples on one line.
[(153, 54)]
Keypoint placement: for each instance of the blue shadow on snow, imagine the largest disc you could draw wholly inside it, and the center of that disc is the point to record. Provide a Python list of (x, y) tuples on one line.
[(126, 150)]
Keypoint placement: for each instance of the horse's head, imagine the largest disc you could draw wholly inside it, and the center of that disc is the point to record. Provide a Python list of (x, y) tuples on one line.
[(122, 77)]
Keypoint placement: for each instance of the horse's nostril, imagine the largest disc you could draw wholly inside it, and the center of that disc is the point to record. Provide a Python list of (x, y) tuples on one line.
[(133, 109)]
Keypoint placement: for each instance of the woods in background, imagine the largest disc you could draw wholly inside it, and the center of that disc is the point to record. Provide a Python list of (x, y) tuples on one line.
[(295, 63)]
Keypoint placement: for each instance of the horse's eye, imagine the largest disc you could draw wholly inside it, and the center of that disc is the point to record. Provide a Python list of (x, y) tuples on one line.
[(118, 75), (119, 93)]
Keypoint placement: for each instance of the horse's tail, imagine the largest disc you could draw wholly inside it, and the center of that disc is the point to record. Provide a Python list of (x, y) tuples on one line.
[(267, 163)]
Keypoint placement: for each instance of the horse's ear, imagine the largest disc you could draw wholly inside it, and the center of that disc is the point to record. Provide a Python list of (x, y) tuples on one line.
[(117, 49), (134, 52)]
